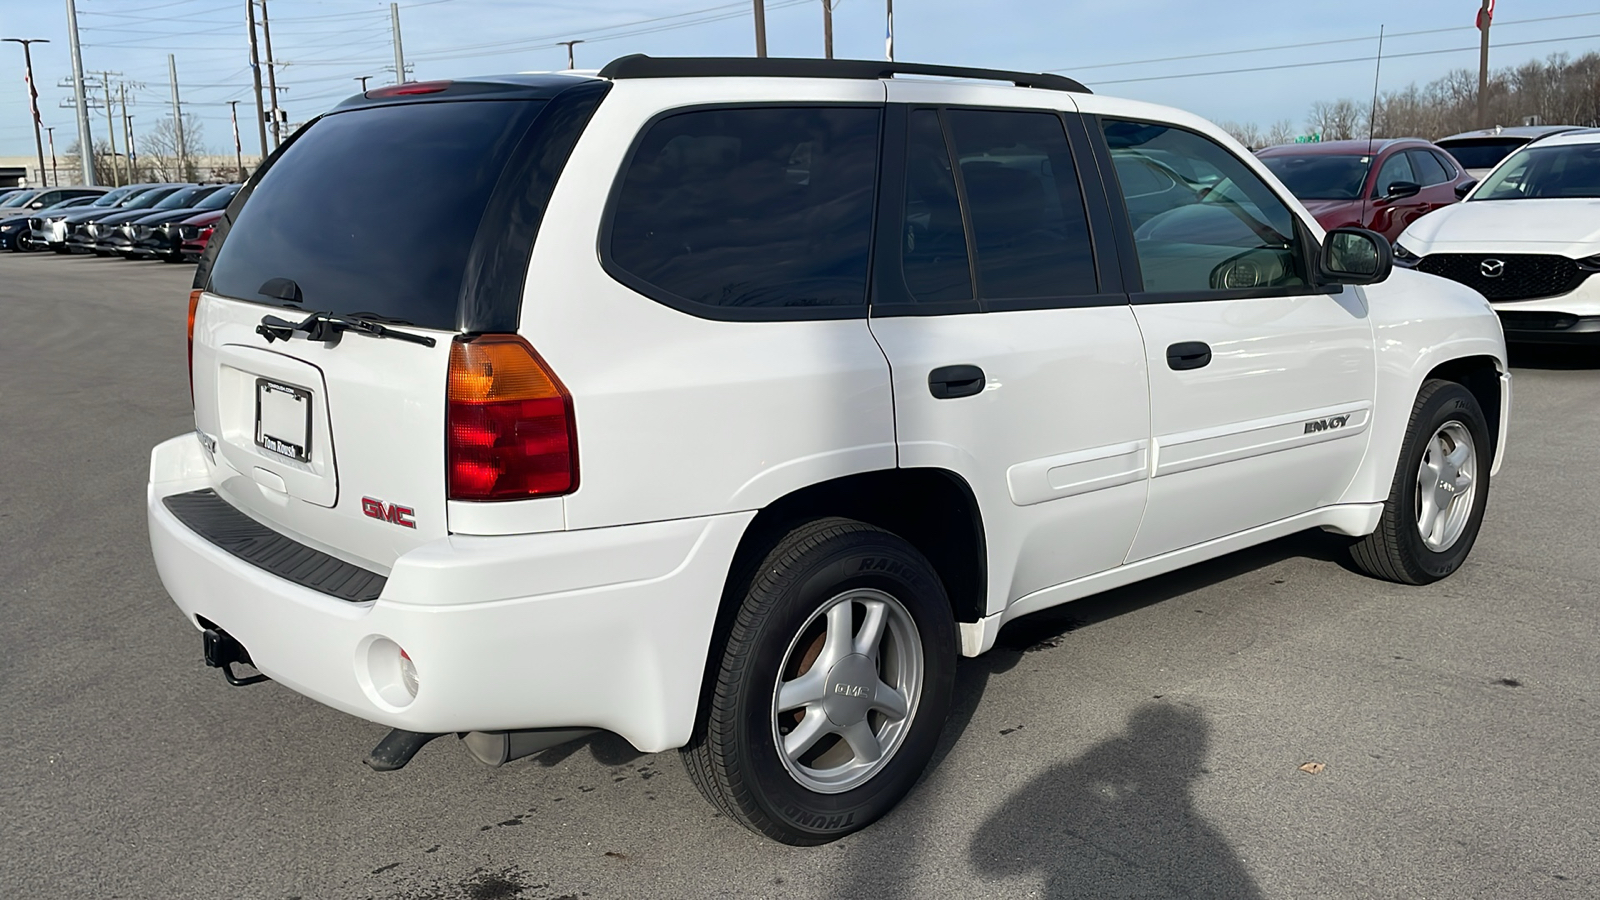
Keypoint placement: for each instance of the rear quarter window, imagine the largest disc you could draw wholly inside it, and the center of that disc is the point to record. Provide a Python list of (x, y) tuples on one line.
[(375, 211), (749, 212)]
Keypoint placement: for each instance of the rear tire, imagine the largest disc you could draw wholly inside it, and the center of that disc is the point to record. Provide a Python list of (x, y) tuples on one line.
[(1440, 490), (833, 685)]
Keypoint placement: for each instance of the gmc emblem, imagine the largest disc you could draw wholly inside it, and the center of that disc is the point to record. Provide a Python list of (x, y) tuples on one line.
[(393, 513)]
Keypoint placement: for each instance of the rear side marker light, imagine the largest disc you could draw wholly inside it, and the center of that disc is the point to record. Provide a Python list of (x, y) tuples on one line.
[(509, 427)]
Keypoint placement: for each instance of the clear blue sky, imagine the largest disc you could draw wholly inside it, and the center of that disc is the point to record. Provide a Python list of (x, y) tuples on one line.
[(325, 43)]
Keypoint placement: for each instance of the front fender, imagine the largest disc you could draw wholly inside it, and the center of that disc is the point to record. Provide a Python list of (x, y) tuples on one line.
[(1421, 322)]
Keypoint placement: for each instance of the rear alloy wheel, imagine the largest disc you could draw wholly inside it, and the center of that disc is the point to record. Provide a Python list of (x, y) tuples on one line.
[(25, 243), (1440, 491), (833, 687)]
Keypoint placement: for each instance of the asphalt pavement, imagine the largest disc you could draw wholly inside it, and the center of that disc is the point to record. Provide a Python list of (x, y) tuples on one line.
[(1152, 742)]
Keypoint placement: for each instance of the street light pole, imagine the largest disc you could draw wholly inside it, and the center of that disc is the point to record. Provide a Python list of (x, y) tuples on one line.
[(33, 96), (571, 64), (85, 139), (761, 28)]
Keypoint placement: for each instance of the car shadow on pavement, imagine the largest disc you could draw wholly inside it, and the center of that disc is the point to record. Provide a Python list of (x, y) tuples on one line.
[(1553, 356), (1118, 821), (1162, 752)]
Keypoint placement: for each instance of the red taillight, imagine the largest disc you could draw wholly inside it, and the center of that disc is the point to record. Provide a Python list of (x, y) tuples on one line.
[(194, 304), (408, 89), (509, 429)]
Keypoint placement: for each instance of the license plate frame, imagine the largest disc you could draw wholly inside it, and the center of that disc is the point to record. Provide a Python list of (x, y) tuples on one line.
[(280, 408)]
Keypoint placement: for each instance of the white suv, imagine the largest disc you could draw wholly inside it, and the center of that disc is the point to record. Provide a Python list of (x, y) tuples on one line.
[(724, 403), (1527, 238)]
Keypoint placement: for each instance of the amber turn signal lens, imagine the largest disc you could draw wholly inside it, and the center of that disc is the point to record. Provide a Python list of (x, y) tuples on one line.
[(509, 429), (194, 304)]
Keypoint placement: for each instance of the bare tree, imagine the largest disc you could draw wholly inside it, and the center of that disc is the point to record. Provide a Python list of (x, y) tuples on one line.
[(163, 158), (1245, 133), (103, 163), (1282, 132), (1340, 120)]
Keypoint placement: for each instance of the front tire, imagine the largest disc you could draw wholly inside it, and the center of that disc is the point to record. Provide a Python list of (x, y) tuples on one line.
[(1440, 490), (833, 686)]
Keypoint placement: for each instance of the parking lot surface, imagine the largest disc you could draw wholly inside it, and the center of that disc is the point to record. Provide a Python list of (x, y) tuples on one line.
[(1150, 742)]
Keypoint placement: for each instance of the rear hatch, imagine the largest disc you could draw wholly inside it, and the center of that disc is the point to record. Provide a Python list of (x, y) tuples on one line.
[(370, 214)]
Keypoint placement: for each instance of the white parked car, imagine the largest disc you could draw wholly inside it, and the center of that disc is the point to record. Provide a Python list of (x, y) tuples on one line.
[(723, 404), (1527, 238), (1480, 151)]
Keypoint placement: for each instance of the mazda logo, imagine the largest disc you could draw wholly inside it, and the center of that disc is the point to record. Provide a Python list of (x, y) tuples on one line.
[(1492, 268)]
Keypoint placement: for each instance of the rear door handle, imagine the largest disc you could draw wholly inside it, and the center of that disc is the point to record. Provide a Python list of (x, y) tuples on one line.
[(1188, 355), (949, 382)]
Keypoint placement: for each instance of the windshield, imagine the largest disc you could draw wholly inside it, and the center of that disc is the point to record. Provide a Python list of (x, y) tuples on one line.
[(1568, 171), (1319, 176), (219, 199), (17, 199), (180, 198), (149, 198), (112, 198), (1482, 153)]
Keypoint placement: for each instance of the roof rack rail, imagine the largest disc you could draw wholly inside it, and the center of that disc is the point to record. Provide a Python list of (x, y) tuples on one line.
[(639, 65)]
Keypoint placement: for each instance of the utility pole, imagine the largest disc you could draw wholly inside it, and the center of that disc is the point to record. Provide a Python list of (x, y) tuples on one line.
[(238, 149), (111, 128), (33, 97), (888, 35), (1485, 13), (255, 71), (363, 80), (827, 29), (569, 44), (399, 53), (761, 28), (272, 76), (85, 139), (177, 120)]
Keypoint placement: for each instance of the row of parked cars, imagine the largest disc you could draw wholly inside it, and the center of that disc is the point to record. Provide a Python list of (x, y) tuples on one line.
[(170, 222)]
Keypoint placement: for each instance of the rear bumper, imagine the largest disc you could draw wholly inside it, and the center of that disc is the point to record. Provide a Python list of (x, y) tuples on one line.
[(603, 628)]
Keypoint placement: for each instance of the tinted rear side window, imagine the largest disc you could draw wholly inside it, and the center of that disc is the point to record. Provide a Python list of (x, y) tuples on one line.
[(750, 209), (1031, 232), (375, 210)]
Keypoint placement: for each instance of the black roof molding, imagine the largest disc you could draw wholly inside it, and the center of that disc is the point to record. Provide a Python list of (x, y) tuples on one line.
[(639, 65)]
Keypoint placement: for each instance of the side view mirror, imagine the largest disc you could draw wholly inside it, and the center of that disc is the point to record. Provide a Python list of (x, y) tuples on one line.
[(1400, 190), (1354, 256), (1465, 188), (37, 204)]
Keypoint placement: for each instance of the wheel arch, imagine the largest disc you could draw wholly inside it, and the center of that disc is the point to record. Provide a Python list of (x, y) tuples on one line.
[(933, 509)]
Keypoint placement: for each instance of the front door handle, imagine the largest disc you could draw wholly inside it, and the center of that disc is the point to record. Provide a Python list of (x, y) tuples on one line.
[(1188, 355), (949, 382)]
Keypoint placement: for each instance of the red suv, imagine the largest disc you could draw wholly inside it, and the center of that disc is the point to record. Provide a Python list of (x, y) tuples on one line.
[(1382, 185)]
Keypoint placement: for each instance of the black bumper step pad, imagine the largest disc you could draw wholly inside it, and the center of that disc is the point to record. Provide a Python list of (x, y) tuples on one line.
[(211, 517)]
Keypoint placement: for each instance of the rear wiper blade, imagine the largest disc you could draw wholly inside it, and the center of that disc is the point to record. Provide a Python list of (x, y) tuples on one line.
[(328, 328)]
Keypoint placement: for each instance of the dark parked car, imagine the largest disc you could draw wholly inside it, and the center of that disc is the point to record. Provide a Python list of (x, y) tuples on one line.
[(85, 235), (1480, 151), (54, 230), (116, 233), (16, 234), (156, 236), (1382, 185)]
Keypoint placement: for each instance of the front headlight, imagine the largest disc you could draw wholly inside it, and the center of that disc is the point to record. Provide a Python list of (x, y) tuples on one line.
[(1404, 257)]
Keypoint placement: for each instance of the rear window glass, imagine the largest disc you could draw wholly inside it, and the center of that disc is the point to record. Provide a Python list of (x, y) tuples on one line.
[(751, 208), (374, 211), (1482, 153)]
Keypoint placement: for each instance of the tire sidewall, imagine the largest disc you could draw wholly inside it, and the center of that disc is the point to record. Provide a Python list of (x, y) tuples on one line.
[(869, 560), (1450, 403)]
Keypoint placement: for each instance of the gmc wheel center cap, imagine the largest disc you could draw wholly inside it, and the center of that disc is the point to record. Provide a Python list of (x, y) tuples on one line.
[(851, 687)]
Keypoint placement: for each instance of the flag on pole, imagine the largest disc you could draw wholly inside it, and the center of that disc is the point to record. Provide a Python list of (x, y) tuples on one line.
[(888, 37), (1485, 14), (237, 147), (33, 99)]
